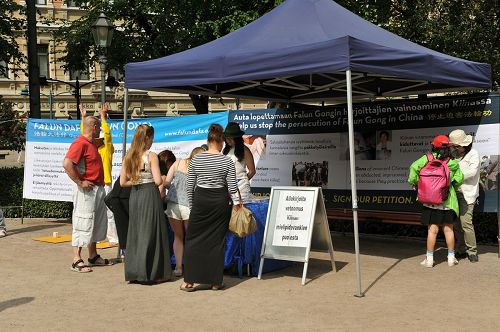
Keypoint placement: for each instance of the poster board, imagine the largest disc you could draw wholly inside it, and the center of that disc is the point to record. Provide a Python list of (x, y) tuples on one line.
[(296, 224)]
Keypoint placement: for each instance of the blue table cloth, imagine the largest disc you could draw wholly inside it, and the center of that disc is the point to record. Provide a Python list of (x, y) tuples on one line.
[(242, 251), (246, 250)]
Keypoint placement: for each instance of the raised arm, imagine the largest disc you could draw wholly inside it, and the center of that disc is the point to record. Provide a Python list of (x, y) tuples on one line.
[(104, 123)]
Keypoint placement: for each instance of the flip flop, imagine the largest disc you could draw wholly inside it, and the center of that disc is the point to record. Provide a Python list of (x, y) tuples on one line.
[(93, 261), (76, 267), (187, 289)]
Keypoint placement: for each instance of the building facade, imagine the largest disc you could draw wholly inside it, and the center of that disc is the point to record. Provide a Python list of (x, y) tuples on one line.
[(58, 100)]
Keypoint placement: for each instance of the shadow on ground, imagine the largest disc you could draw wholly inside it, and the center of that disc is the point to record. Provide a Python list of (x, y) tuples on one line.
[(15, 302), (13, 231)]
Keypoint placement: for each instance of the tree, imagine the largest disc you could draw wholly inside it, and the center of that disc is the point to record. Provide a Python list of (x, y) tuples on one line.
[(12, 127), (10, 26), (468, 29), (148, 29)]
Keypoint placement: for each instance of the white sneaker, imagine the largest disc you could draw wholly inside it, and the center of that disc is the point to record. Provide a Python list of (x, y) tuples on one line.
[(3, 233), (452, 261), (427, 262)]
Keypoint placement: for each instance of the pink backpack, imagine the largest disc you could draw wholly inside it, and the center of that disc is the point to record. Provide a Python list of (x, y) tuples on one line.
[(434, 181)]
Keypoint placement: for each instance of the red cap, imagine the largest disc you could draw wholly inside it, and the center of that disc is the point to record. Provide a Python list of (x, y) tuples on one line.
[(441, 141)]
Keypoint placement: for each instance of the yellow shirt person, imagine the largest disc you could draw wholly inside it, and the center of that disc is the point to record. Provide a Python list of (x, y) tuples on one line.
[(104, 144)]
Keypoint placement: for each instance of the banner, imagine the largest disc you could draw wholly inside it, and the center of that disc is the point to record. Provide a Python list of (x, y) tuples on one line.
[(47, 142), (310, 147), (303, 147)]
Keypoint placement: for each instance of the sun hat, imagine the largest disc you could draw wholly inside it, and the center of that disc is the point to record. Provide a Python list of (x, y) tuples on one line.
[(233, 130), (441, 141), (459, 137)]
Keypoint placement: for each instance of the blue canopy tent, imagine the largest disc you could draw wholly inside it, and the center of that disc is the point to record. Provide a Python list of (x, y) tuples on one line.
[(310, 50)]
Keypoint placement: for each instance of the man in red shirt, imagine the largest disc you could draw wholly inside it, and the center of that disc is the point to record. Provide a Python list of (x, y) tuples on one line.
[(83, 165)]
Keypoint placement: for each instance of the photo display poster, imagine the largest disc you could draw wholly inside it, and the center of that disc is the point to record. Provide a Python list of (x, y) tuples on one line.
[(303, 147)]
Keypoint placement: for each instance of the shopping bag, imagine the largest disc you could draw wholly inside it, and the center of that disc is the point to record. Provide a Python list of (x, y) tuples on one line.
[(242, 221)]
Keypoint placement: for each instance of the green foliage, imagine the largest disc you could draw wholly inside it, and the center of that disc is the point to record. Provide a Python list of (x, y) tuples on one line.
[(11, 193), (468, 29), (10, 26), (148, 29), (12, 127)]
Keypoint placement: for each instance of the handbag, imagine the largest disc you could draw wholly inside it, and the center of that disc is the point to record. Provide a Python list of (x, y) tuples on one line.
[(242, 221)]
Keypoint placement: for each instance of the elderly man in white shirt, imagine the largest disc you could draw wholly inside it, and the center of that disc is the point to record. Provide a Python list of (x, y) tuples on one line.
[(467, 193)]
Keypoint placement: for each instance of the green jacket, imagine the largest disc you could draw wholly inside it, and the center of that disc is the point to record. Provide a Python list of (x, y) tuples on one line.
[(456, 179)]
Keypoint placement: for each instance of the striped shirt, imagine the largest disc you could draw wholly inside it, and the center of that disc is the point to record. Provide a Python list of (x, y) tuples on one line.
[(209, 170)]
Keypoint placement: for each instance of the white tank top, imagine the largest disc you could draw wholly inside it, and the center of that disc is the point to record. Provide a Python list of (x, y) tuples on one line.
[(241, 166)]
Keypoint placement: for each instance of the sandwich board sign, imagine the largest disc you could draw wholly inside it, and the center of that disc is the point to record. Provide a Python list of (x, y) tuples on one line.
[(296, 224)]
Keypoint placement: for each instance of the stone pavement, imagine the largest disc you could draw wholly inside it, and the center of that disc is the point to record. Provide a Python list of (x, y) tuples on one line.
[(39, 292)]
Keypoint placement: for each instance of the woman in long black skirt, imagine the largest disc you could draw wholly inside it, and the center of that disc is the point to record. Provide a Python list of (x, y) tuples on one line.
[(211, 180), (147, 258)]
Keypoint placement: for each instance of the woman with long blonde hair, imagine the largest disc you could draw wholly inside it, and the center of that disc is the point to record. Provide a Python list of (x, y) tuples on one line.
[(148, 257), (178, 204)]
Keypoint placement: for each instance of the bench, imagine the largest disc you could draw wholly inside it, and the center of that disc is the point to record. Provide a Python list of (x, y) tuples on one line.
[(390, 217)]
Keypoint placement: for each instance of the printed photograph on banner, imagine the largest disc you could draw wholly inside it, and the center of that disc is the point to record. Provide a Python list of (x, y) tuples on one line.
[(489, 172), (293, 217), (310, 174), (364, 145), (257, 145), (384, 145)]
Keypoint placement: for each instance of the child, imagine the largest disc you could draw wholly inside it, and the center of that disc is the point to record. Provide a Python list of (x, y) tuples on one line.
[(444, 214)]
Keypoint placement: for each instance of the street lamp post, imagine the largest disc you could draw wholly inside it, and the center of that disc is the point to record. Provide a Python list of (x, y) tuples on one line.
[(102, 31)]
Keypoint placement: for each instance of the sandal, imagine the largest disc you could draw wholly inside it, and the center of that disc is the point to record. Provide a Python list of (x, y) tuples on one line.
[(218, 287), (186, 288), (80, 267), (103, 262)]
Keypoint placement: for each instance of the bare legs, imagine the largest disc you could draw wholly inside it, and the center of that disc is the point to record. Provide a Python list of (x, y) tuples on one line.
[(179, 227)]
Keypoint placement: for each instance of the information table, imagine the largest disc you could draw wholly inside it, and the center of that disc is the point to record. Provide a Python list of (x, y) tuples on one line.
[(243, 251)]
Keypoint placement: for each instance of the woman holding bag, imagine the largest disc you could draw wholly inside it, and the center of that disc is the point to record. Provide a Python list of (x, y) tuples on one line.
[(211, 180)]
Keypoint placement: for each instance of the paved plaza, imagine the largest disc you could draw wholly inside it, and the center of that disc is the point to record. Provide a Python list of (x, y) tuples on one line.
[(40, 293)]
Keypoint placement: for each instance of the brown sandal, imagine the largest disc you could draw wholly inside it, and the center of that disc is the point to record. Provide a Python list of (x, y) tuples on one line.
[(80, 267)]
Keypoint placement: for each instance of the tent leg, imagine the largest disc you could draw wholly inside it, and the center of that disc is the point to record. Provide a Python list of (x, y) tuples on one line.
[(125, 113), (498, 219), (354, 193)]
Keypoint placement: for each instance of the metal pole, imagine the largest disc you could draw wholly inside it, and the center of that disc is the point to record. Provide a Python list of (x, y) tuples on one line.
[(125, 115), (77, 96), (33, 66), (51, 96), (354, 193), (102, 62)]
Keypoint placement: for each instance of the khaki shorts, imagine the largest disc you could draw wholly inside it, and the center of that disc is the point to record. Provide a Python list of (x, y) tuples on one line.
[(90, 221), (176, 211)]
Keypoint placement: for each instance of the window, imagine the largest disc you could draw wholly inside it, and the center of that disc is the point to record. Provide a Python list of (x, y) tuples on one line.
[(71, 3), (4, 70), (43, 60), (82, 75), (41, 2)]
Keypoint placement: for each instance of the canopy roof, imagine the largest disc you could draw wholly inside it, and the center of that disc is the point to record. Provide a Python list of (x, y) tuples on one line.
[(299, 52)]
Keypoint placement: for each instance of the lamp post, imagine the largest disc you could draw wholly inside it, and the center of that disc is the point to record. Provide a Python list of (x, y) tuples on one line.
[(102, 30)]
